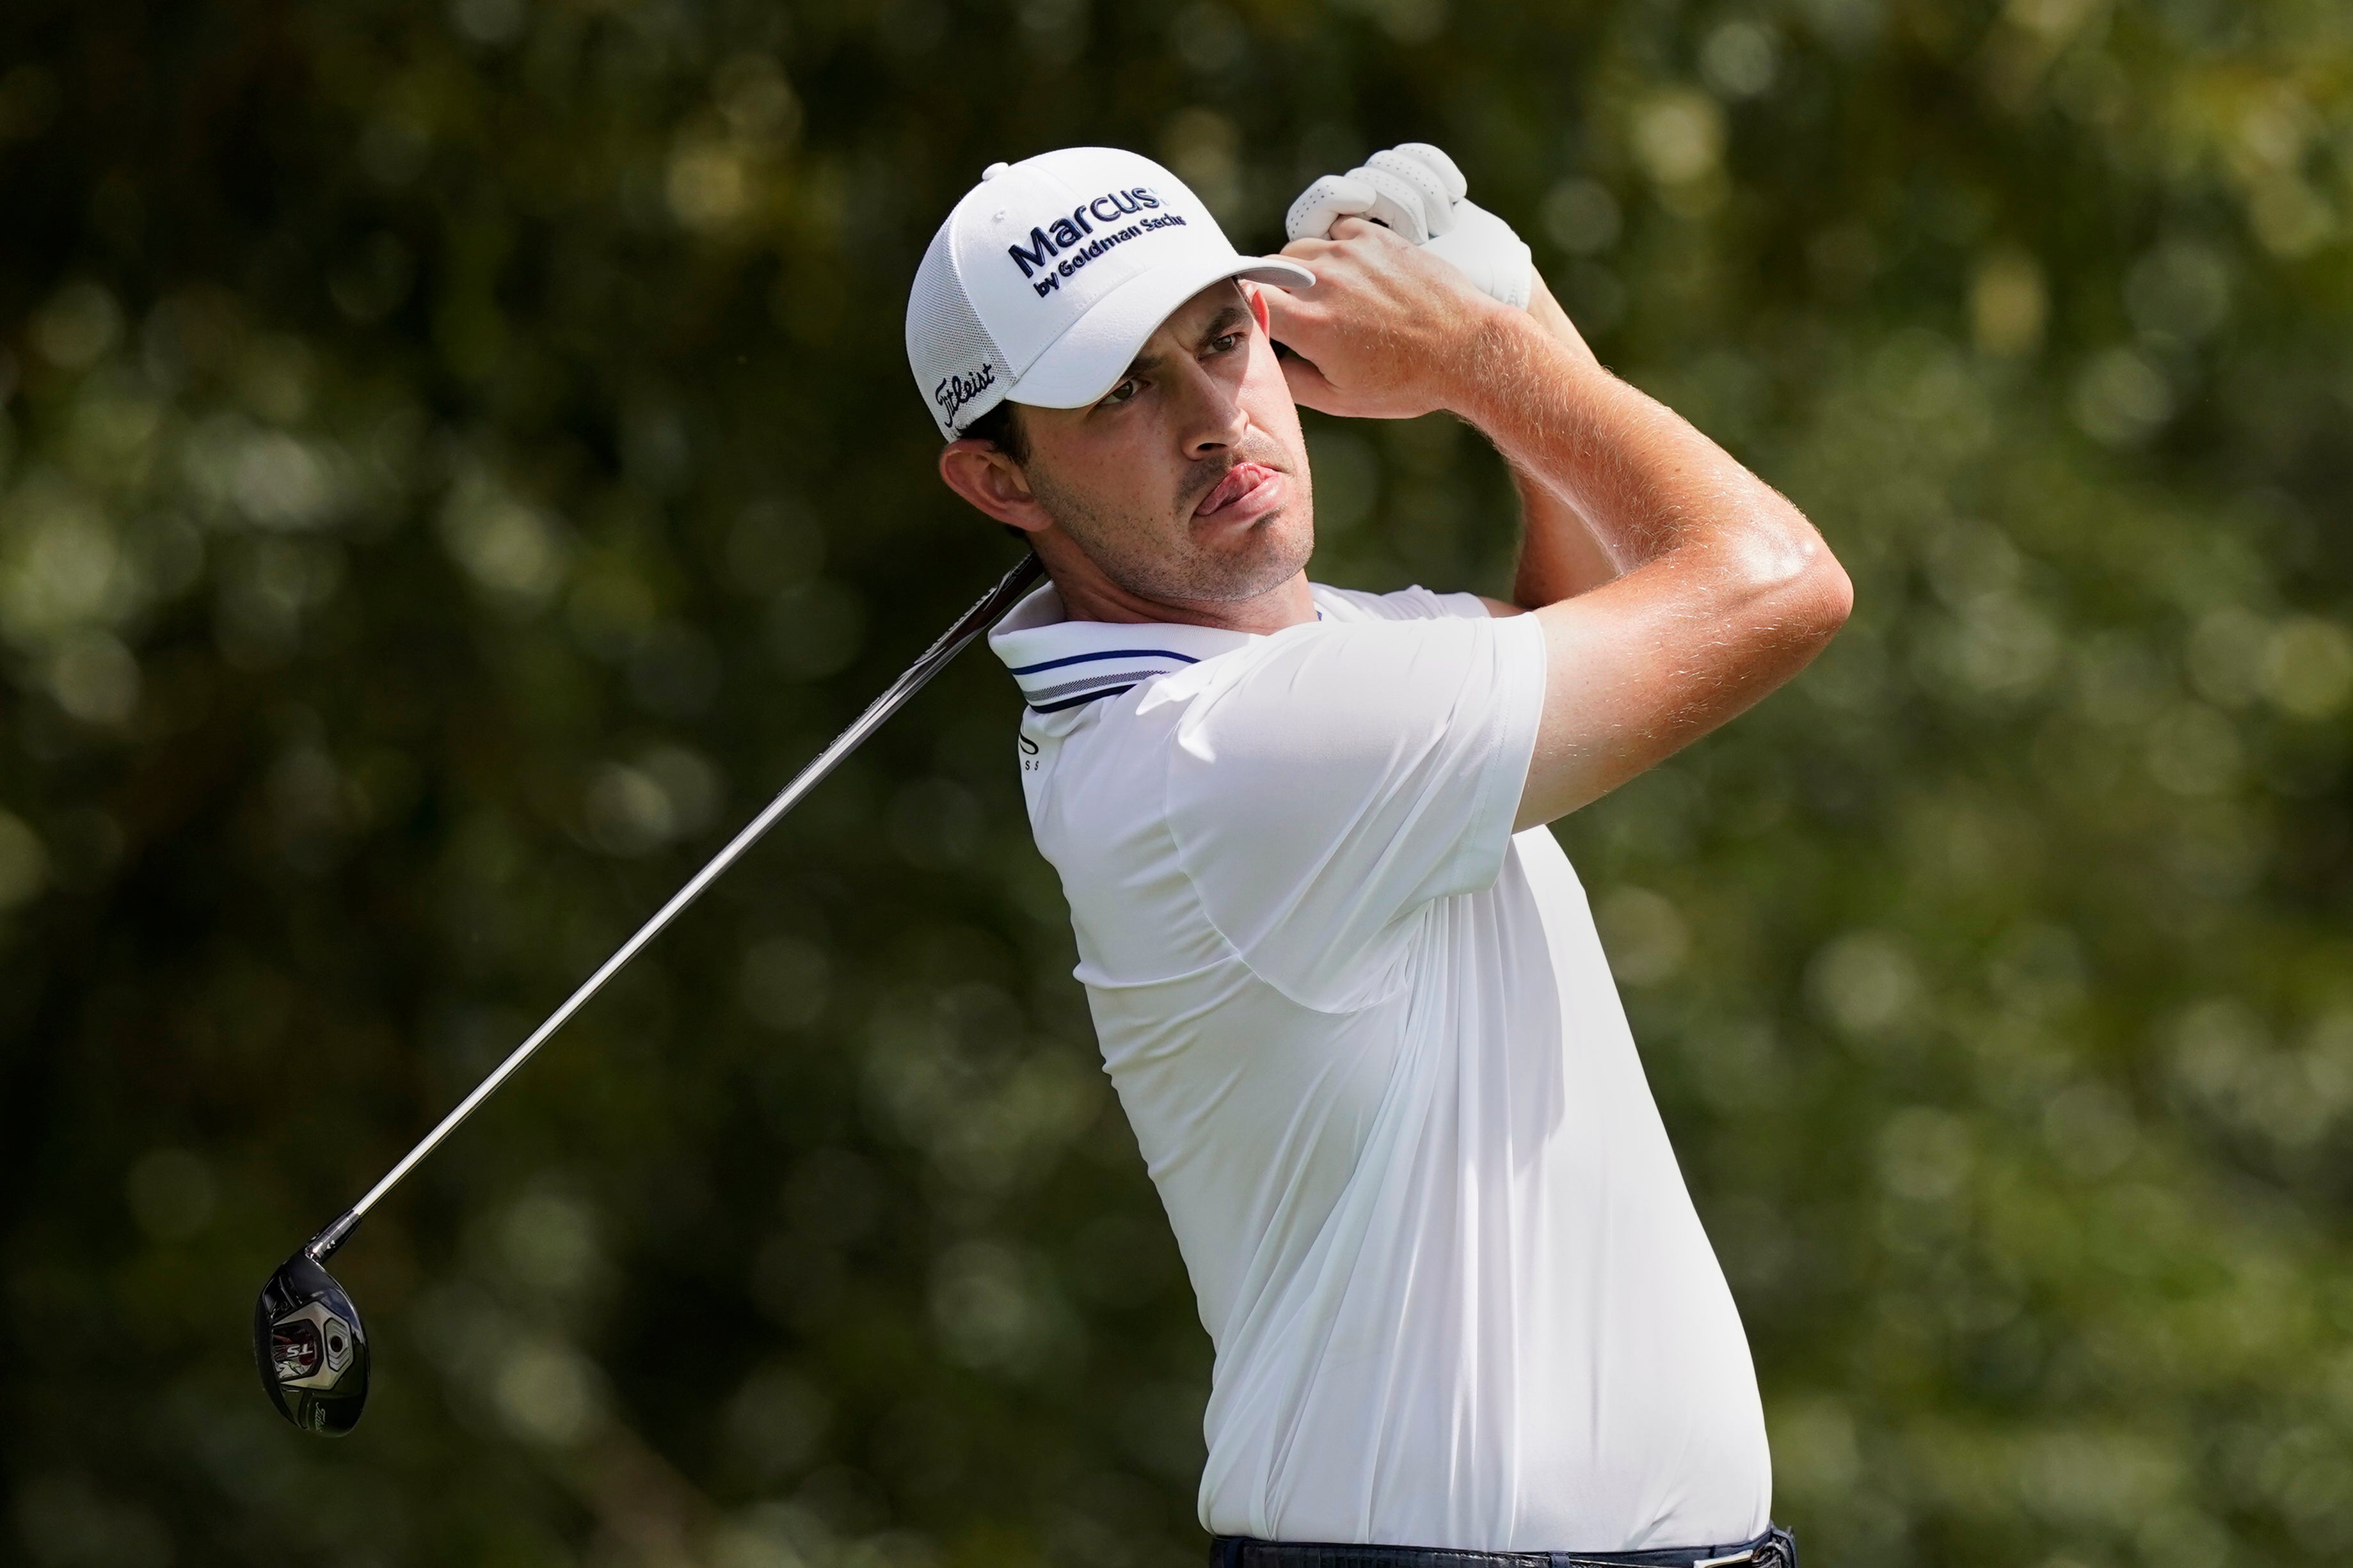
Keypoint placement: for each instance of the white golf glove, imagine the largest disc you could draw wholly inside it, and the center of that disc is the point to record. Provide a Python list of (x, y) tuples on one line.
[(1416, 190)]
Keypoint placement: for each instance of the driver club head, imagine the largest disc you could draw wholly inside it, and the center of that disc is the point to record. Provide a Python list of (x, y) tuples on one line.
[(311, 1349)]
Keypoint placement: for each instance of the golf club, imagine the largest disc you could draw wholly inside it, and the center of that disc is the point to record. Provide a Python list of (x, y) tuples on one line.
[(308, 1342)]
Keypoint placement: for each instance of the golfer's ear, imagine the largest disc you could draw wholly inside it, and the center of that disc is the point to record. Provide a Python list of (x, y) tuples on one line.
[(984, 475)]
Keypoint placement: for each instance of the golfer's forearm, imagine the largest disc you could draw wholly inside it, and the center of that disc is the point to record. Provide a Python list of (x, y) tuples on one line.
[(1630, 470), (1723, 589), (1560, 555)]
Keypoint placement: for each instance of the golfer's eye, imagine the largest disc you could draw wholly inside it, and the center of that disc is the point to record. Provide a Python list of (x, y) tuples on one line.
[(1121, 393), (1225, 344)]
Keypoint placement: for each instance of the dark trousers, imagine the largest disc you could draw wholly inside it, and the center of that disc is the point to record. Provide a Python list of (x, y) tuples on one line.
[(1773, 1549)]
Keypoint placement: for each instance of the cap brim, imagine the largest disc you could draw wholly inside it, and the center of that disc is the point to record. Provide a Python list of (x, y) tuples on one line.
[(1096, 351)]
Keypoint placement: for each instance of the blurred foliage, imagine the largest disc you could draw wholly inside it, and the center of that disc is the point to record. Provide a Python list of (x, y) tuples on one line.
[(458, 457)]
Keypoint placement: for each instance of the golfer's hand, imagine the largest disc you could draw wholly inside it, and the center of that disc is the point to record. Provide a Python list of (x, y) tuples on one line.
[(1390, 328), (1389, 332), (1416, 190)]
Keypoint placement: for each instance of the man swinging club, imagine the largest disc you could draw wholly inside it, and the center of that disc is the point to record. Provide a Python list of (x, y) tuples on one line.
[(1345, 983)]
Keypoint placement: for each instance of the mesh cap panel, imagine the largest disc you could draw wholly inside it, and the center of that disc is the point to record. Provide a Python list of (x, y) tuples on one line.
[(958, 367)]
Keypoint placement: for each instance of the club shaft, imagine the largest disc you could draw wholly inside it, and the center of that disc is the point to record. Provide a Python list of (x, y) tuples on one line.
[(976, 620)]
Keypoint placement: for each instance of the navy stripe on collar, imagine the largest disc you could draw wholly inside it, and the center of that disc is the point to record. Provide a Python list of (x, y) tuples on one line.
[(1075, 701), (1108, 653), (1061, 663)]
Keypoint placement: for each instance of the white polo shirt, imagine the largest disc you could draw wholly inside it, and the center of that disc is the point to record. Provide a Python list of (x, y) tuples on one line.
[(1373, 1054)]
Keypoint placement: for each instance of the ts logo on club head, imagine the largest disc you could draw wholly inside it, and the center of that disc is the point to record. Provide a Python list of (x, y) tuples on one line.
[(310, 1347)]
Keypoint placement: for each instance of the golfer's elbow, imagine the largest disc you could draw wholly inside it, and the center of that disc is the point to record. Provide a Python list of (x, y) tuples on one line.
[(1787, 569), (1823, 595)]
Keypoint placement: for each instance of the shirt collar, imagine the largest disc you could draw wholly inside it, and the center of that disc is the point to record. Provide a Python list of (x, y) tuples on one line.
[(1061, 663)]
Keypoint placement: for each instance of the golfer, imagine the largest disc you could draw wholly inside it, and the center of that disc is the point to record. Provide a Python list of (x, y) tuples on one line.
[(1345, 983)]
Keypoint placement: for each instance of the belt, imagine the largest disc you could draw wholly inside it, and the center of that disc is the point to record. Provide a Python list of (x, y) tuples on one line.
[(1773, 1549)]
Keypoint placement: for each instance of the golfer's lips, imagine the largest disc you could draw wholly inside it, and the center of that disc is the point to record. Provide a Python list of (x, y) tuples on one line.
[(1247, 489)]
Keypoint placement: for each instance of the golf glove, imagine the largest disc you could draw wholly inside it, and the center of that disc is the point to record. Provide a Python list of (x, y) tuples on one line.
[(1416, 190)]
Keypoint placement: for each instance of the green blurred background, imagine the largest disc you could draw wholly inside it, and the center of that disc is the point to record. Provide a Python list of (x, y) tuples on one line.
[(458, 458)]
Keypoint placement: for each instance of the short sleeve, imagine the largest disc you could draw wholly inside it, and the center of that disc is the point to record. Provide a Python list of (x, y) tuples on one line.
[(1330, 783)]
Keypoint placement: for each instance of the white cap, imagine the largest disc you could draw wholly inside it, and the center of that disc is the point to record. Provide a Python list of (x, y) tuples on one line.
[(1049, 276)]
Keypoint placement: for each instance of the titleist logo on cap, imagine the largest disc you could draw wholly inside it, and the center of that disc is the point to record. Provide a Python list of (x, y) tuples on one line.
[(957, 390), (1070, 235)]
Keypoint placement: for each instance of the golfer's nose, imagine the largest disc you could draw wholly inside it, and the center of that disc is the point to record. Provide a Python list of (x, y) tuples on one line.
[(1210, 417)]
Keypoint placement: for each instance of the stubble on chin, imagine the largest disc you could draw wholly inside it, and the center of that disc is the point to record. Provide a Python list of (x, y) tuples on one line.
[(1168, 565)]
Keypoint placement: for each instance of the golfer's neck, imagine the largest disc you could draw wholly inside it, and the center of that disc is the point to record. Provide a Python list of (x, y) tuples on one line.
[(1088, 595)]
